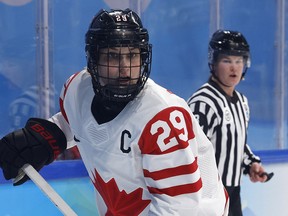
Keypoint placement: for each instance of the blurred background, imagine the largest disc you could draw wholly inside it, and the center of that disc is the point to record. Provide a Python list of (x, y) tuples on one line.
[(42, 44)]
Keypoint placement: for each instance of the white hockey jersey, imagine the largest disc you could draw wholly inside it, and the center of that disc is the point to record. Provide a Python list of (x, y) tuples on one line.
[(152, 159)]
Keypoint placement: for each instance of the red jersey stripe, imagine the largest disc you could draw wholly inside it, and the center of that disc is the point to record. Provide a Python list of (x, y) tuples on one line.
[(63, 94), (170, 172), (178, 190), (63, 110)]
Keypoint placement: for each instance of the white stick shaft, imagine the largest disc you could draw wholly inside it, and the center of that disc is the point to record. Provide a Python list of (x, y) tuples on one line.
[(48, 190)]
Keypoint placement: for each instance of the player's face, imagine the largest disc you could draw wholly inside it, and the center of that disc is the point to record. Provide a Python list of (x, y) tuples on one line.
[(119, 66), (229, 69)]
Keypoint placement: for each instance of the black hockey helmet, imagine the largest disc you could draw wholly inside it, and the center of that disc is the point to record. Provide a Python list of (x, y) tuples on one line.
[(228, 43), (117, 28)]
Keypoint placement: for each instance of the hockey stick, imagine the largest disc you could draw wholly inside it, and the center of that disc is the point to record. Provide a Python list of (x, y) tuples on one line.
[(46, 188), (269, 175)]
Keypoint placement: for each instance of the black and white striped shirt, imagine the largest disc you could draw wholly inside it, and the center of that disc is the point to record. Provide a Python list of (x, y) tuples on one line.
[(224, 120)]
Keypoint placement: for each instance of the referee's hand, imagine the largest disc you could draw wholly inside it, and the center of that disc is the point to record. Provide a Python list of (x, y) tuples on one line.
[(257, 173)]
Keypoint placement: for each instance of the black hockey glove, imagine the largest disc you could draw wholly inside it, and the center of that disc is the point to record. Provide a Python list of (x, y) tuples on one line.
[(38, 144)]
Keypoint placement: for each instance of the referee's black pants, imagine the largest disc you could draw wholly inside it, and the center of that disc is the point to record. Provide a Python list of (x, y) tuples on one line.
[(235, 208)]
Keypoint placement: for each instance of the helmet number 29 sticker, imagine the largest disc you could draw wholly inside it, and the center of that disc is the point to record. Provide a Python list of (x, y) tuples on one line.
[(122, 18), (176, 120)]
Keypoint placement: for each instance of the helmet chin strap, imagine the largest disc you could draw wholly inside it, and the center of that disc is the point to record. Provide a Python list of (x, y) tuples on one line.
[(243, 74)]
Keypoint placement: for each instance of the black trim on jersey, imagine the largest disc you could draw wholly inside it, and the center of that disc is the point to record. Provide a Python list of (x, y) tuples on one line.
[(218, 144), (227, 159), (235, 161)]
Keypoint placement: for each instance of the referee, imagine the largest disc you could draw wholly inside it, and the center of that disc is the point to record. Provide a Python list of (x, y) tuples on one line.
[(223, 113)]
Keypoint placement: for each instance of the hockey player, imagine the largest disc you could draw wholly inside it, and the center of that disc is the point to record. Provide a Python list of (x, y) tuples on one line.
[(223, 113), (142, 147)]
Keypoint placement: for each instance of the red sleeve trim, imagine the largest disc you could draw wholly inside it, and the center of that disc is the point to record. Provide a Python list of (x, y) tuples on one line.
[(63, 94), (170, 172), (178, 190)]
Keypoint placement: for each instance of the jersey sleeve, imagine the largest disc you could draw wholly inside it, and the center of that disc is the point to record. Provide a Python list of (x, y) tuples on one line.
[(170, 165), (61, 118), (205, 115), (248, 159), (60, 121)]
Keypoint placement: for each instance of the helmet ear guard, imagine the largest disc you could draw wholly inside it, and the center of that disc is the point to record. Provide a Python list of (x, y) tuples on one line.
[(228, 43), (117, 28)]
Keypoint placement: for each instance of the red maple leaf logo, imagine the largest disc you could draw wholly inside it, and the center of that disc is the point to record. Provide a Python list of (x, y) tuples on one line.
[(119, 202)]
